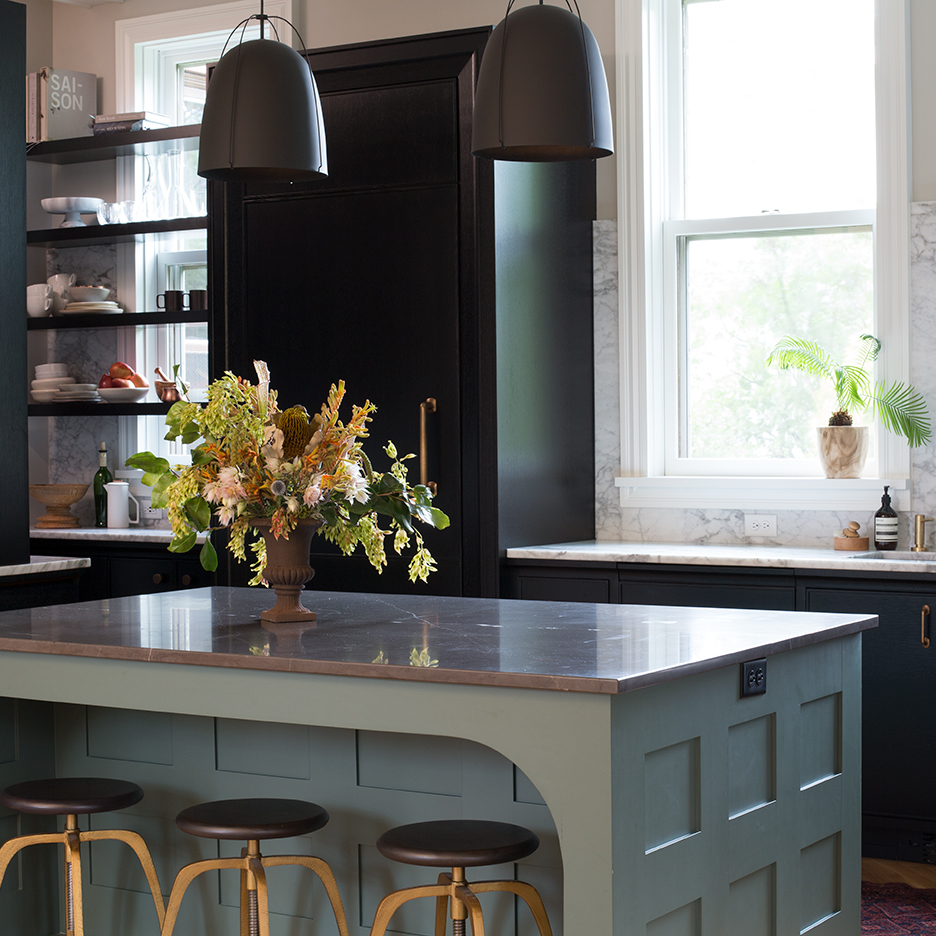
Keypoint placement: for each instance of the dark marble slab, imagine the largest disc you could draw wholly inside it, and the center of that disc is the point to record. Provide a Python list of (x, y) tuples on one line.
[(473, 641)]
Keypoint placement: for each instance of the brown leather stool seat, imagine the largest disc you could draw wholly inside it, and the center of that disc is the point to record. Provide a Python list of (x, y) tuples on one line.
[(458, 844), (253, 820), (71, 797)]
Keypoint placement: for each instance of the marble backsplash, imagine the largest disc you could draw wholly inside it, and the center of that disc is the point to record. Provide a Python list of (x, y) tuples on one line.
[(796, 528)]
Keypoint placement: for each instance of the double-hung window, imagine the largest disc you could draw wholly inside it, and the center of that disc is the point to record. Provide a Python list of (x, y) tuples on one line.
[(763, 193)]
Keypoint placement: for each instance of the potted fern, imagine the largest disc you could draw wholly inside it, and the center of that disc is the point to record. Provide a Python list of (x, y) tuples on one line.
[(843, 446)]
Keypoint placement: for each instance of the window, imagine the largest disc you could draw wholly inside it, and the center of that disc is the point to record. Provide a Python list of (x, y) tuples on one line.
[(762, 194)]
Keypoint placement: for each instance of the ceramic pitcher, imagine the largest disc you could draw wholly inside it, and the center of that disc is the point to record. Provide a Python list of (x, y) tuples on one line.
[(118, 505)]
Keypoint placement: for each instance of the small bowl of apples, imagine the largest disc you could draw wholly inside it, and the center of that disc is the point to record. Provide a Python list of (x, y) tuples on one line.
[(122, 384)]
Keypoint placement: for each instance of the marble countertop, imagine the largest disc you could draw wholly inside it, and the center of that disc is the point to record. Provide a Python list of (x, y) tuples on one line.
[(103, 535), (470, 641), (43, 564), (777, 557)]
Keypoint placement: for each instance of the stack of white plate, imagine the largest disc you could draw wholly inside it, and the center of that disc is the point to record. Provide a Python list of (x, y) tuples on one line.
[(79, 392), (45, 387), (45, 371), (81, 308)]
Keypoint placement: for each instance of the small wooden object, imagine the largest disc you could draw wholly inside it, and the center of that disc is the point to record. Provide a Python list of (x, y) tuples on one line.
[(849, 539)]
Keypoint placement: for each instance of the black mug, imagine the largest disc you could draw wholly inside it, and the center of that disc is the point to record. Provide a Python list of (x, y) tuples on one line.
[(173, 300), (198, 299)]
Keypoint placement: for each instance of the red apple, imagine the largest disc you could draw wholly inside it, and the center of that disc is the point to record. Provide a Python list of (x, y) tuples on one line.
[(120, 382), (138, 380), (106, 382), (119, 369)]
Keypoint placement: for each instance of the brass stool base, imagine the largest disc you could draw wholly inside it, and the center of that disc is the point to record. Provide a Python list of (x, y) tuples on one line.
[(72, 838), (464, 904), (254, 904)]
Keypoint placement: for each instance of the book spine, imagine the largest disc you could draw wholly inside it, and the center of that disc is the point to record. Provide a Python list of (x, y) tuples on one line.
[(120, 126), (42, 104), (32, 124)]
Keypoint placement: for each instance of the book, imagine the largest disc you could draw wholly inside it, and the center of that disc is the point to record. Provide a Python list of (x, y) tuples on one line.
[(67, 101), (149, 116), (32, 113), (117, 126)]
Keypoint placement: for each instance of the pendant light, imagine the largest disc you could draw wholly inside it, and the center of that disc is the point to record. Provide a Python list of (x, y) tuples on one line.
[(263, 115), (542, 94)]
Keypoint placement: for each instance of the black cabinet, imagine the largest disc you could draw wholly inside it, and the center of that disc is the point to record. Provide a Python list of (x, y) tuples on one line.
[(412, 272), (121, 569), (898, 776)]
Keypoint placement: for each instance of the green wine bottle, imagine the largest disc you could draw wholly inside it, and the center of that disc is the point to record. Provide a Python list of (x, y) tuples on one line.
[(101, 477)]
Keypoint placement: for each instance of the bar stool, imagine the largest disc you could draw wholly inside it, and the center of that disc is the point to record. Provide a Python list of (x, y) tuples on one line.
[(458, 844), (253, 820), (71, 797)]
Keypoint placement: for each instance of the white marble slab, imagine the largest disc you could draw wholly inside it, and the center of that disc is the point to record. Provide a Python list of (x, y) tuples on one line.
[(775, 557), (98, 535), (42, 564)]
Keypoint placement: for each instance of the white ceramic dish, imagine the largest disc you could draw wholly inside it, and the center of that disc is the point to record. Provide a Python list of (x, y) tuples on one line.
[(51, 383), (44, 396), (88, 307), (73, 208), (88, 293), (54, 368), (84, 396), (84, 386), (122, 394)]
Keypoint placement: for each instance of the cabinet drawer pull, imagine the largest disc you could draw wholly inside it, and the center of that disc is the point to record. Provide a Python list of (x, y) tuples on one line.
[(186, 580), (160, 578), (925, 614), (426, 407)]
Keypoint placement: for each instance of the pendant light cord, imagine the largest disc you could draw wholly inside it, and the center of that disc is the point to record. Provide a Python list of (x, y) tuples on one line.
[(242, 26), (500, 91)]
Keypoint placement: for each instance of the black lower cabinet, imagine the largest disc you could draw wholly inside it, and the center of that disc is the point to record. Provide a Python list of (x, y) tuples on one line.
[(121, 569), (898, 718)]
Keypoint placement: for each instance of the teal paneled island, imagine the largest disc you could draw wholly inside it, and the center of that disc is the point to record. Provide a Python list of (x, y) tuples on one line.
[(667, 803)]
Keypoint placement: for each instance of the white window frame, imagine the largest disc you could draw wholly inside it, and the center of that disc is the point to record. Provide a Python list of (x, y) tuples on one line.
[(644, 75)]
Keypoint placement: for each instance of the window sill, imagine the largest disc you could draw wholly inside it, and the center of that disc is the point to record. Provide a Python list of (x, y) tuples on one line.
[(761, 493)]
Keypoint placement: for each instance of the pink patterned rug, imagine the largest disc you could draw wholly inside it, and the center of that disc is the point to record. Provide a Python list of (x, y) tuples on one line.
[(897, 910)]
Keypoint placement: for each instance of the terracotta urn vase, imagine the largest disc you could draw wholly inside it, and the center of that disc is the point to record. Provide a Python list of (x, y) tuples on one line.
[(287, 569), (842, 450)]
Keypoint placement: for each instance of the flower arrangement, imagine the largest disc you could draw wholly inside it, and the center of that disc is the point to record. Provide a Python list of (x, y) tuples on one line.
[(257, 462)]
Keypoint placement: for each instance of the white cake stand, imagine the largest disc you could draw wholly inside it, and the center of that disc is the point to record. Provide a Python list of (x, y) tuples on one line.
[(72, 208)]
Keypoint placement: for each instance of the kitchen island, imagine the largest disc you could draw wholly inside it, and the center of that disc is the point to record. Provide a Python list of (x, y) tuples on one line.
[(675, 804)]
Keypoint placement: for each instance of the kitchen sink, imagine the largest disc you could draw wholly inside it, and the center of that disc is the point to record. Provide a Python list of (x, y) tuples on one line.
[(897, 556)]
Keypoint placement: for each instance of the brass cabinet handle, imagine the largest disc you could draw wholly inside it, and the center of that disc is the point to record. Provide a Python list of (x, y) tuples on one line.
[(159, 578), (427, 406), (923, 638)]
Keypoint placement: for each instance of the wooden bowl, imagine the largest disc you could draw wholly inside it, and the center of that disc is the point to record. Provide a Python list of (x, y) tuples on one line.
[(57, 499)]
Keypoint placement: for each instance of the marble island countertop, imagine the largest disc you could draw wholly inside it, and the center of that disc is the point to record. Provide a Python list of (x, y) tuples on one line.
[(133, 534), (778, 557), (568, 646)]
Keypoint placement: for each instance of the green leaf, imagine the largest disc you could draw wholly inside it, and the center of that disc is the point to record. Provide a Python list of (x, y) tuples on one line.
[(148, 462), (439, 520), (201, 456), (183, 544), (160, 496), (902, 411), (198, 512), (208, 555)]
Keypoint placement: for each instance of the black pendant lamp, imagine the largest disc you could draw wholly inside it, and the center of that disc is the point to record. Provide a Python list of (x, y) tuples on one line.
[(263, 115), (542, 94)]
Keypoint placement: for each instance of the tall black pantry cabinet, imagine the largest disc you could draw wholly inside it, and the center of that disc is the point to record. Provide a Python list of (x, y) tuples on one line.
[(415, 271), (14, 544)]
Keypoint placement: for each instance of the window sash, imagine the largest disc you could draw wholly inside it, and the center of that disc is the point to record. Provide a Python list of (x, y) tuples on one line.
[(645, 76)]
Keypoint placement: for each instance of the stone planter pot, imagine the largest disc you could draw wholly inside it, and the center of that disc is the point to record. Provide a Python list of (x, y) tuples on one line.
[(842, 450), (287, 570)]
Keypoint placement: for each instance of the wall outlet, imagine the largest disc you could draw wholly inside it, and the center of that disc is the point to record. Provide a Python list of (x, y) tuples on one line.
[(760, 524)]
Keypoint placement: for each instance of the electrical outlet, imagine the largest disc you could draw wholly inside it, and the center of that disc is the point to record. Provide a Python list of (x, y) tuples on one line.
[(760, 524), (754, 677)]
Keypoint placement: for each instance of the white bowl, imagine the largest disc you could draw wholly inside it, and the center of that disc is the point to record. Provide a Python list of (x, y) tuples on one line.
[(51, 370), (45, 396), (88, 293), (73, 208), (84, 386), (51, 383), (122, 394)]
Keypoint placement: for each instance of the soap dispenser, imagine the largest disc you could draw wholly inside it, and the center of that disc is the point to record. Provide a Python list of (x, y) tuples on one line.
[(885, 524)]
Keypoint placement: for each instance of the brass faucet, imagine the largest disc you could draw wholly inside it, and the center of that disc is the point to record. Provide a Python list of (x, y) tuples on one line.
[(919, 533)]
